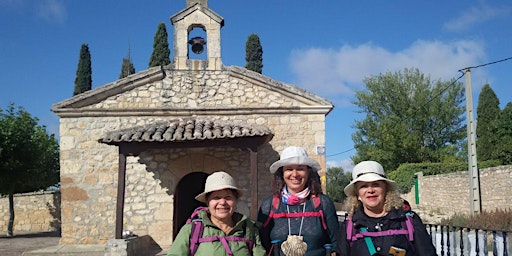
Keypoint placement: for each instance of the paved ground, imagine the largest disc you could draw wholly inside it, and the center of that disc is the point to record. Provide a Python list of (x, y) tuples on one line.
[(20, 243), (47, 243)]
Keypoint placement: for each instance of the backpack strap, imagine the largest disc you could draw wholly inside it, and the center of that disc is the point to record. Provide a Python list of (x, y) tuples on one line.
[(316, 204), (225, 239), (407, 224), (274, 206), (195, 235)]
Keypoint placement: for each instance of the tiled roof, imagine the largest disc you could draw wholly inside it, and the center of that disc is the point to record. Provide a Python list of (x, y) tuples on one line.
[(185, 130)]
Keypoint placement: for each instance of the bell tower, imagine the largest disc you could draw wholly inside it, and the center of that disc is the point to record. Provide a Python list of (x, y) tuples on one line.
[(197, 17)]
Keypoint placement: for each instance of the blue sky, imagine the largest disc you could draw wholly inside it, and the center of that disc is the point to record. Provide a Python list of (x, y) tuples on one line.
[(327, 47)]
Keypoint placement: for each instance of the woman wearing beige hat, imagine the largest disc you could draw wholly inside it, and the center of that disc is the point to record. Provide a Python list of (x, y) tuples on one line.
[(298, 219), (379, 222), (219, 229)]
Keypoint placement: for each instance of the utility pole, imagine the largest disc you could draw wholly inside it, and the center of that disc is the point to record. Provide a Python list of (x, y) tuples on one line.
[(473, 173)]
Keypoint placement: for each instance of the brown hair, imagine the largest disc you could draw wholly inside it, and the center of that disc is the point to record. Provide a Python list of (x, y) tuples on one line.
[(313, 182)]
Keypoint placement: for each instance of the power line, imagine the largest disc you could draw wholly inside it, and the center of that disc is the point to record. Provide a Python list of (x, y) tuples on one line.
[(448, 86)]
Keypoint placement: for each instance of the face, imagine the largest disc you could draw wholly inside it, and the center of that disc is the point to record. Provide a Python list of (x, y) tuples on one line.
[(295, 176), (372, 195), (221, 204)]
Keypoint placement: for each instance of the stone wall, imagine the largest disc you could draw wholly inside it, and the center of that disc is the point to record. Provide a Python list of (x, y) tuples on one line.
[(446, 194), (34, 212)]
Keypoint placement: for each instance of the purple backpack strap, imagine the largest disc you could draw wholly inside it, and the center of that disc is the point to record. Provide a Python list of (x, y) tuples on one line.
[(349, 228), (409, 226), (195, 235), (224, 240)]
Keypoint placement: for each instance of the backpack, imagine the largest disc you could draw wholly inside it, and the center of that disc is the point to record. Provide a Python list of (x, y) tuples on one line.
[(196, 235), (275, 206)]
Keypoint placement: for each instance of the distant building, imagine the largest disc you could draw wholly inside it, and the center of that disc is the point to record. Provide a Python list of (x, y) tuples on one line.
[(135, 152)]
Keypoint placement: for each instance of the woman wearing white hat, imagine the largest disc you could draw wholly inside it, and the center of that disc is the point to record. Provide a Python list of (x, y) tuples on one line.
[(298, 219), (379, 222), (223, 231)]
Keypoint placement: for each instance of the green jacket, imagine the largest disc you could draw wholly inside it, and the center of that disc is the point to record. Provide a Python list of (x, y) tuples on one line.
[(243, 227)]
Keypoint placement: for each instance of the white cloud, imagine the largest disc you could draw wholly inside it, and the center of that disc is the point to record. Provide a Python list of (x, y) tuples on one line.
[(52, 11), (476, 15), (337, 73), (346, 164)]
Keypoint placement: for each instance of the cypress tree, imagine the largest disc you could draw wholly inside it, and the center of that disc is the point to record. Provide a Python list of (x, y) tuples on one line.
[(83, 80), (127, 67), (488, 111), (504, 133), (161, 52), (254, 54)]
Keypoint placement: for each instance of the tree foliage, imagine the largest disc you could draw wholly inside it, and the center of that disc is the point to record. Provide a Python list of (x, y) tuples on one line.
[(254, 54), (504, 132), (488, 112), (83, 80), (408, 119), (127, 68), (161, 52), (29, 159), (337, 179)]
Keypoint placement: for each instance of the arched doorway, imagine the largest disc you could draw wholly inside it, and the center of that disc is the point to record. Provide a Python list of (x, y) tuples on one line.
[(187, 189)]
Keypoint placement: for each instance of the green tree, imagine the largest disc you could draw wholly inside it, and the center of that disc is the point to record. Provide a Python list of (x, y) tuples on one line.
[(337, 179), (161, 52), (488, 112), (29, 160), (254, 54), (504, 132), (127, 68), (408, 119), (83, 80)]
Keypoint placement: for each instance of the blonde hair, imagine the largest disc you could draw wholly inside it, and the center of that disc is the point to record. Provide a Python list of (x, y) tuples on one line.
[(392, 201)]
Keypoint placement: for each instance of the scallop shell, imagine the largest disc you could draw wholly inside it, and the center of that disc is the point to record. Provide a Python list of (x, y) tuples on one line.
[(294, 246)]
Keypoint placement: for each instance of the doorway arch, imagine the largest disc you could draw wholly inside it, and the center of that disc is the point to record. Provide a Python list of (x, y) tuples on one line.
[(187, 189)]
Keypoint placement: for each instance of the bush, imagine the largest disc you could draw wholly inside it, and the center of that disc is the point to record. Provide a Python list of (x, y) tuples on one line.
[(498, 220)]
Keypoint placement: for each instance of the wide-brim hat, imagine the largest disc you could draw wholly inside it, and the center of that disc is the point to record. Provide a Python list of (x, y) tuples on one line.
[(218, 181), (368, 171), (294, 155)]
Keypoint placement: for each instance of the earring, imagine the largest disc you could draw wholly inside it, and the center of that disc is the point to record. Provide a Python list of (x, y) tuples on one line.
[(359, 198)]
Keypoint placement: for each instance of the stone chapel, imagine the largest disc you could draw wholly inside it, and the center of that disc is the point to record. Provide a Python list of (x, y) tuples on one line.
[(135, 152)]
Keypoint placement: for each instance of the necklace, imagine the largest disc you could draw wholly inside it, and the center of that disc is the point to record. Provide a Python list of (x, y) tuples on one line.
[(301, 220)]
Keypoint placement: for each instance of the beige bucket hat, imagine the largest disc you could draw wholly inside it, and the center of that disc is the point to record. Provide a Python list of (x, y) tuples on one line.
[(368, 171), (218, 181), (294, 155)]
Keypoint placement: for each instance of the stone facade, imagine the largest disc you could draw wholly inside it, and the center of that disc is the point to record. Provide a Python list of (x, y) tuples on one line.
[(89, 169)]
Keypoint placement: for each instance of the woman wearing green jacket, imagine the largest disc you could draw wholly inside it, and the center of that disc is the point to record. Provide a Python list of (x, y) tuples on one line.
[(225, 232)]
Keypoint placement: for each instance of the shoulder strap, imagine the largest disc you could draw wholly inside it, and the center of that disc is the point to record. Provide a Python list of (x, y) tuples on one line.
[(196, 230), (316, 204), (195, 235), (273, 207)]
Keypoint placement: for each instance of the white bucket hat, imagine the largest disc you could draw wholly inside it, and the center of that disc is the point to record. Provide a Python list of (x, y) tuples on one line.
[(218, 181), (294, 155), (368, 171)]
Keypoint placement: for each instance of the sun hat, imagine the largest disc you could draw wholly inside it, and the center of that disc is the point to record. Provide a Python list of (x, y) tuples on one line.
[(368, 171), (294, 155), (218, 181)]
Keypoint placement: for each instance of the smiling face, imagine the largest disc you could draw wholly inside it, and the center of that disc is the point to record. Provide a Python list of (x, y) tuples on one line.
[(296, 177), (222, 204), (372, 195)]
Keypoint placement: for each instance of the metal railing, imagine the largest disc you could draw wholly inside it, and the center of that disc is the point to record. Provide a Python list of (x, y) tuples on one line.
[(460, 241)]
